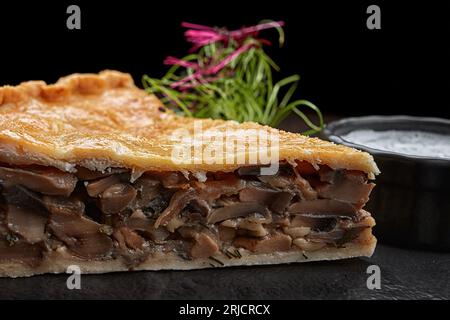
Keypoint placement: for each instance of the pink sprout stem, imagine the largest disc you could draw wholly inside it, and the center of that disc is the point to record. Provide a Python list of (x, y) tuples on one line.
[(200, 73), (200, 35)]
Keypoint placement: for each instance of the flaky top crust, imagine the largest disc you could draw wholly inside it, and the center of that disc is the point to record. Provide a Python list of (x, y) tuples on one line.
[(103, 120)]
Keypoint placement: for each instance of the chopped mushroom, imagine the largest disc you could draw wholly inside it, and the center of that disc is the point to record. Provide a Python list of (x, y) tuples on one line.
[(201, 206), (305, 168), (138, 214), (348, 186), (297, 232), (46, 180), (333, 237), (172, 180), (281, 201), (63, 205), (146, 227), (306, 191), (204, 246), (96, 187), (117, 197), (255, 229), (27, 222), (82, 235), (148, 189), (172, 212), (21, 252), (177, 203), (272, 243), (314, 223), (212, 190), (239, 209), (129, 239), (226, 234), (291, 184), (175, 223), (323, 208), (86, 174), (308, 245), (254, 226), (276, 200)]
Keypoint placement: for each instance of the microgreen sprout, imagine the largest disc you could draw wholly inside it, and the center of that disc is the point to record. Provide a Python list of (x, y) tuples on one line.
[(228, 75)]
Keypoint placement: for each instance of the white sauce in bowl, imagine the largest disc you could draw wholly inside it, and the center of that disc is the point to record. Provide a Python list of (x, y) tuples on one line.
[(413, 143)]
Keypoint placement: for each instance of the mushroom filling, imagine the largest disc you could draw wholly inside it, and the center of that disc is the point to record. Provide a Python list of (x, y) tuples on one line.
[(94, 215)]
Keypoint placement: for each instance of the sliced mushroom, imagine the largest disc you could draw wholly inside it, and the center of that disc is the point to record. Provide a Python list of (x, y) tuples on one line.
[(146, 227), (175, 223), (334, 236), (96, 187), (86, 174), (63, 205), (239, 209), (272, 243), (204, 243), (305, 168), (128, 239), (277, 181), (281, 202), (214, 189), (326, 174), (323, 208), (157, 205), (117, 197), (27, 222), (346, 235), (204, 246), (138, 214), (82, 236), (306, 190), (171, 180), (256, 229), (22, 252), (148, 189), (253, 226), (46, 180), (276, 200), (261, 195), (177, 203), (201, 206), (226, 234), (291, 183), (314, 223), (362, 220), (347, 186)]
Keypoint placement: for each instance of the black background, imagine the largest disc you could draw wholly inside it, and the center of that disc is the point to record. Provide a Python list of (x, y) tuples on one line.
[(346, 69)]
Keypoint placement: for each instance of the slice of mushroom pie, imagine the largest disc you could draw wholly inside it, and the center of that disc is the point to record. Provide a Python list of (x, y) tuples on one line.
[(96, 173)]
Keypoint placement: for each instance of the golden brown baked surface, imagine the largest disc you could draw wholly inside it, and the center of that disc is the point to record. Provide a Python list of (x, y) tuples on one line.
[(102, 120)]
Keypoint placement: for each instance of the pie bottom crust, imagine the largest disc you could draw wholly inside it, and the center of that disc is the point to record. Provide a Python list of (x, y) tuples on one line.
[(58, 261)]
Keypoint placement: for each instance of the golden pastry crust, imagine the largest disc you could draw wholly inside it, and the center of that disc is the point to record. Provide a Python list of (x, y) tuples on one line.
[(102, 120)]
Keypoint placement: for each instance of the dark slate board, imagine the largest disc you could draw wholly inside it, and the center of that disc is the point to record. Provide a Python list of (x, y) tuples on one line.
[(405, 274)]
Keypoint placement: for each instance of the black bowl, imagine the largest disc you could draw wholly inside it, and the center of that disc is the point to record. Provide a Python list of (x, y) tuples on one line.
[(411, 202)]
